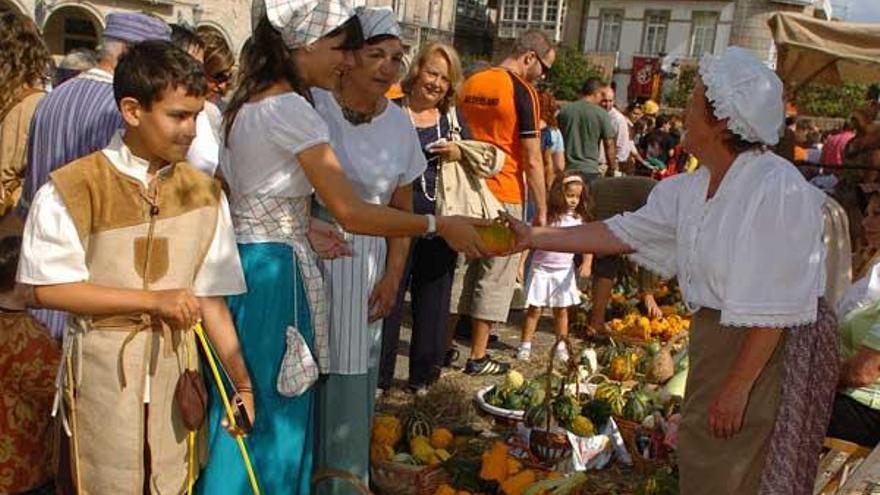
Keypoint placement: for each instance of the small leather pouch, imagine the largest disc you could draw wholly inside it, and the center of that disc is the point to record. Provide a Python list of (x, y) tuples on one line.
[(191, 397)]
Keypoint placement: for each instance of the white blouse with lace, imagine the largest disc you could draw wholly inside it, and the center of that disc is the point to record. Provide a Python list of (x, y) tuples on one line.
[(753, 251)]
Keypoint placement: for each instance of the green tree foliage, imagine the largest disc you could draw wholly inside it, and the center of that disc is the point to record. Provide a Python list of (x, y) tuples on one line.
[(824, 100), (684, 86), (570, 71)]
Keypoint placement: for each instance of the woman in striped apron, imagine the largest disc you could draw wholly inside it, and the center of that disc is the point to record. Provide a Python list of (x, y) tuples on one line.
[(363, 287)]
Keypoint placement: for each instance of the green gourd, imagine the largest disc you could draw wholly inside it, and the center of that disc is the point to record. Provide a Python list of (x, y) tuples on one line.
[(536, 417), (417, 423), (612, 393), (638, 407), (565, 409)]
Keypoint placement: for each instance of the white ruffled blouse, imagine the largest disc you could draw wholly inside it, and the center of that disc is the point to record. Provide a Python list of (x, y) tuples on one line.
[(753, 251)]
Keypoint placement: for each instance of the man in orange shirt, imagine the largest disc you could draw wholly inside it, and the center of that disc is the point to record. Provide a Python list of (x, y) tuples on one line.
[(501, 107)]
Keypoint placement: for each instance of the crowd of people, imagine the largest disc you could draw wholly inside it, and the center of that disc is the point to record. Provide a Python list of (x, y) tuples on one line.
[(284, 203)]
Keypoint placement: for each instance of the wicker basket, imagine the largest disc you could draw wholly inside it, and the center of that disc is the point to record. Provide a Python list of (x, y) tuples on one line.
[(394, 478), (549, 446), (336, 474), (629, 430)]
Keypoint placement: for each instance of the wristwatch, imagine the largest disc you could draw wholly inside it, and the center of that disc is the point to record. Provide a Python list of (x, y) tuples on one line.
[(432, 226)]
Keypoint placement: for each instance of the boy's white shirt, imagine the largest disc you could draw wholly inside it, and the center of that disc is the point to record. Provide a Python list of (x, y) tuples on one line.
[(52, 252)]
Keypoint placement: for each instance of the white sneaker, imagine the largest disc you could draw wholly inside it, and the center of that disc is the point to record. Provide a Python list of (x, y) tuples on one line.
[(421, 392), (378, 394), (524, 354), (562, 353)]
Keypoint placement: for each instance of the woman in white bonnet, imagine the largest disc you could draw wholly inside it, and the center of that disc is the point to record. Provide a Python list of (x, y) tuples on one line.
[(743, 235)]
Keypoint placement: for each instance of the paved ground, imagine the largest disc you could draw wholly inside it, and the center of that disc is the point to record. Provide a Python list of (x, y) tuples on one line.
[(503, 350)]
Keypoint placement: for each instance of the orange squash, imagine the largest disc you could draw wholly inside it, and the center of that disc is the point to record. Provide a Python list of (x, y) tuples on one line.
[(517, 484), (497, 238), (494, 466), (441, 438), (445, 490)]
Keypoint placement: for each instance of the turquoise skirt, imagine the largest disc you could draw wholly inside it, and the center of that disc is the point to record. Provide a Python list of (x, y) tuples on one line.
[(281, 443)]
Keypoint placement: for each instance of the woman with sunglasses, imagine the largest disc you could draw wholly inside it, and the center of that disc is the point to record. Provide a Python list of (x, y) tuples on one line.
[(219, 65), (276, 152)]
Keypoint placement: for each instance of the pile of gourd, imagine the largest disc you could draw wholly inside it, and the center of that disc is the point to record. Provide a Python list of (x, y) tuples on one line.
[(653, 362), (500, 470), (517, 393), (627, 297), (637, 381), (636, 326), (413, 441)]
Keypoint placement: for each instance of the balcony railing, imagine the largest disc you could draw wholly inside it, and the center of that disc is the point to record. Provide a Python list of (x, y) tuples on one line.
[(416, 35), (511, 29)]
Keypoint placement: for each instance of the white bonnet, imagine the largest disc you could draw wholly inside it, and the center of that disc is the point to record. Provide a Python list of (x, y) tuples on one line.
[(746, 92), (378, 21), (302, 22)]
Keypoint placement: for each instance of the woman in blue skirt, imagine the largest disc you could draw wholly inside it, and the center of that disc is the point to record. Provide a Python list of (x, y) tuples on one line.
[(276, 153)]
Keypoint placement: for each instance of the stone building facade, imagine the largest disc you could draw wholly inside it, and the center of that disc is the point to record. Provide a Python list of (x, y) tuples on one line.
[(750, 23), (70, 24), (474, 27), (671, 31), (517, 16), (421, 20)]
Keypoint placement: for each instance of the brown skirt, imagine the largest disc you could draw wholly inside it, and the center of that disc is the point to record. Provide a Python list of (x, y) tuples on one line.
[(712, 465), (777, 450)]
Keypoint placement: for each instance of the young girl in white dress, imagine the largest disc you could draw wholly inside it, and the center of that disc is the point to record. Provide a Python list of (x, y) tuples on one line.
[(552, 280)]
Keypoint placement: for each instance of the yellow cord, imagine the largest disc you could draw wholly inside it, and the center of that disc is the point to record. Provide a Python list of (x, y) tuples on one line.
[(190, 478), (191, 436), (230, 415)]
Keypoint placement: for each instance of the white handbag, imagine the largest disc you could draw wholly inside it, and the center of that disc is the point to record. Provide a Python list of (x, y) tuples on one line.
[(299, 371)]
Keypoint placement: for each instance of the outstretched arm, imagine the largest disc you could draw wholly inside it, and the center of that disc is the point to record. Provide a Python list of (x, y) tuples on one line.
[(359, 217), (593, 237)]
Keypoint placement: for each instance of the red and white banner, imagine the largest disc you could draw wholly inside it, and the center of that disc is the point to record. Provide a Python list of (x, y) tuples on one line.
[(644, 78)]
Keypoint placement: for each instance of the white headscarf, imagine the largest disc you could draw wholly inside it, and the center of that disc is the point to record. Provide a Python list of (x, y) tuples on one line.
[(302, 22), (747, 93), (378, 21)]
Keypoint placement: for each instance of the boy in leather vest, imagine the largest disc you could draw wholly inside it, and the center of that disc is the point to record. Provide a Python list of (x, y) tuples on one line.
[(138, 246)]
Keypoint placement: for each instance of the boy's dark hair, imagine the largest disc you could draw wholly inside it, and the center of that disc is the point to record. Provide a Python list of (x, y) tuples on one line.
[(186, 39), (10, 248), (150, 67), (592, 86)]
